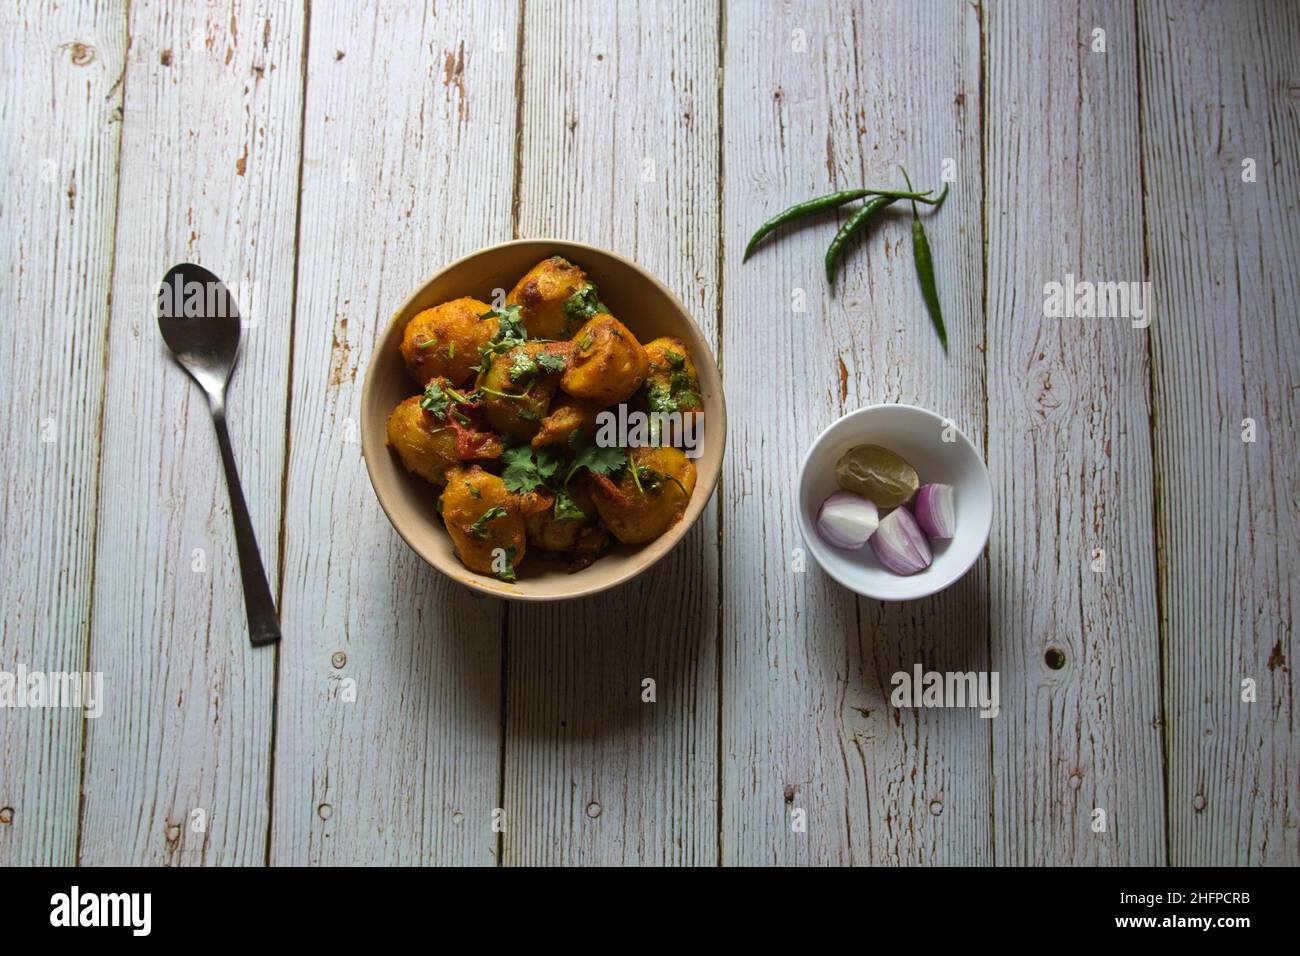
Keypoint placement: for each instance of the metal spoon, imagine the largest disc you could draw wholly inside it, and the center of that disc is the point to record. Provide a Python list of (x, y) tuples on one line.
[(199, 321)]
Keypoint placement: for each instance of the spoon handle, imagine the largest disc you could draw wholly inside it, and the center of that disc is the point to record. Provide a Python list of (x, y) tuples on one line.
[(263, 624)]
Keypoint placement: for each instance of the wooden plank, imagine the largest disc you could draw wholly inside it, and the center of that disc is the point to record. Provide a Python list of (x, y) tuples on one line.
[(62, 128), (824, 97), (1220, 85), (176, 771), (1069, 446), (620, 149), (409, 163)]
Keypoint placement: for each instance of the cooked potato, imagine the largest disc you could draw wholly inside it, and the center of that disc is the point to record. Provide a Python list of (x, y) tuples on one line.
[(484, 522), (608, 363), (671, 384), (571, 533), (642, 507), (568, 415), (428, 446), (444, 341), (542, 294), (519, 385)]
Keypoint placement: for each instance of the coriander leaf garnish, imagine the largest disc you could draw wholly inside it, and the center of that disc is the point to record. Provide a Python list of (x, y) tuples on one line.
[(435, 400), (660, 398), (598, 461), (527, 469), (566, 509), (583, 306), (507, 573), (479, 528), (636, 470), (522, 367), (510, 332), (552, 363), (500, 394)]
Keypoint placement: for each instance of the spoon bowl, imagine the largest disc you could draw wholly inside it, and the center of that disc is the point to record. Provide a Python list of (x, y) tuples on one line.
[(199, 320)]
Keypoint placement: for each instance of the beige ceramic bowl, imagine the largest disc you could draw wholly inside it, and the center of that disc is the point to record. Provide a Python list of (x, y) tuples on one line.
[(637, 299)]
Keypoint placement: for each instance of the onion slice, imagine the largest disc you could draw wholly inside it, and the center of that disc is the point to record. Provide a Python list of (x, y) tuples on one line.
[(934, 510), (899, 543), (846, 520)]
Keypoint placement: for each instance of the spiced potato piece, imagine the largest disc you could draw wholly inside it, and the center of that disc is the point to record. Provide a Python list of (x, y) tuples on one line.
[(543, 294), (568, 415), (484, 522), (428, 446), (608, 363), (641, 508), (519, 385), (672, 383), (444, 341), (569, 532)]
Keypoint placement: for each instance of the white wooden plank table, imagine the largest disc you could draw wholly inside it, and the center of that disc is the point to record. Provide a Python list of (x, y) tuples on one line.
[(1137, 593)]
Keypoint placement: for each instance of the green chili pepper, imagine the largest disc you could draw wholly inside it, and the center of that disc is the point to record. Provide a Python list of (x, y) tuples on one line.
[(925, 267), (854, 224), (799, 210)]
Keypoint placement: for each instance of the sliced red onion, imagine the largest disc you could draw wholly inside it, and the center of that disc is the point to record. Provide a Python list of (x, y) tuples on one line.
[(934, 510), (899, 543), (847, 520)]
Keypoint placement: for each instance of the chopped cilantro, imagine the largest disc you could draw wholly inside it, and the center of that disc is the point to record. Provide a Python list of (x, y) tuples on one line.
[(510, 332), (473, 489), (479, 528), (680, 391), (583, 306), (438, 400), (660, 398), (597, 460), (527, 468), (500, 394), (674, 359), (507, 573), (552, 363), (522, 367), (566, 509), (636, 471), (435, 400)]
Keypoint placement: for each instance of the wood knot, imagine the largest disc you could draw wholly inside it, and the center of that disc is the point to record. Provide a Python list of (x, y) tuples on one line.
[(81, 54)]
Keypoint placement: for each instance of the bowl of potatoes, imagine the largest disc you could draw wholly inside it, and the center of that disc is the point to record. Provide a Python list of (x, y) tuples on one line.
[(542, 420)]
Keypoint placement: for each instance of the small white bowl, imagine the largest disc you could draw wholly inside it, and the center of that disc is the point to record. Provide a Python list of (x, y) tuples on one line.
[(939, 452)]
